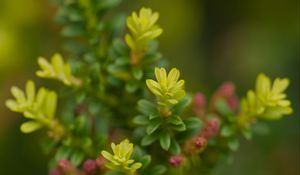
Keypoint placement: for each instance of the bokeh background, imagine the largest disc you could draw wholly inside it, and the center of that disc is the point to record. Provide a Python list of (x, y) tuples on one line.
[(211, 41)]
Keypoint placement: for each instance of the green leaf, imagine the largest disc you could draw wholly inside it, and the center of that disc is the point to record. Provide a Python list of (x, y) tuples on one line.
[(180, 128), (175, 147), (247, 133), (148, 139), (77, 157), (72, 30), (153, 116), (153, 126), (184, 103), (140, 120), (30, 126), (165, 140), (146, 160), (223, 108), (146, 107), (175, 119), (131, 87), (63, 153), (193, 123), (158, 170), (137, 73), (227, 131), (233, 144), (107, 4)]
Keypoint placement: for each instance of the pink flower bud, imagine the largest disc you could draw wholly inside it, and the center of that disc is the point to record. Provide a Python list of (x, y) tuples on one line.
[(200, 142), (90, 166), (100, 161), (199, 102), (233, 102), (176, 160), (211, 128), (64, 164), (226, 90), (55, 171)]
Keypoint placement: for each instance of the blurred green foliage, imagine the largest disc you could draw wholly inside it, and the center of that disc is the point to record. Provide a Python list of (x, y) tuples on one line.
[(213, 41)]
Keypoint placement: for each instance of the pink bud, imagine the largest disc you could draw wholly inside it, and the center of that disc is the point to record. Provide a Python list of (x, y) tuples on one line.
[(199, 102), (211, 128), (100, 161), (233, 102), (55, 171), (226, 89), (176, 160), (64, 164), (200, 142), (90, 166)]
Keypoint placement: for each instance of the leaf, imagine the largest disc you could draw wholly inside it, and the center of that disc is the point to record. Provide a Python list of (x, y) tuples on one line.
[(63, 153), (247, 133), (146, 160), (175, 147), (223, 108), (77, 157), (181, 127), (72, 30), (50, 104), (140, 120), (158, 170), (148, 139), (227, 131), (165, 140), (30, 126), (153, 126), (184, 103), (233, 144), (146, 107), (137, 73), (131, 87), (193, 123), (175, 119)]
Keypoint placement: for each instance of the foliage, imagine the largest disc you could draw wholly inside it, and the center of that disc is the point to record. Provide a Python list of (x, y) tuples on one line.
[(104, 77)]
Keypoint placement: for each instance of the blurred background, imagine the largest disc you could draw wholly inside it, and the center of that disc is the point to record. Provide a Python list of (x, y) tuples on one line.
[(211, 41)]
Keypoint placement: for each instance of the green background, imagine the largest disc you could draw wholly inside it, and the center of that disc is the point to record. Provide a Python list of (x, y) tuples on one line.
[(210, 41)]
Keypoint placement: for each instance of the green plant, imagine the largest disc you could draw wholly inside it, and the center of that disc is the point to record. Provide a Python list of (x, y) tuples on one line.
[(107, 75)]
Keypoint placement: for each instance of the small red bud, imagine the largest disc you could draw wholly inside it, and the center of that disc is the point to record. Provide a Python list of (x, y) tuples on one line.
[(90, 166), (211, 128), (200, 142), (100, 161), (199, 102), (176, 160), (55, 171), (226, 90)]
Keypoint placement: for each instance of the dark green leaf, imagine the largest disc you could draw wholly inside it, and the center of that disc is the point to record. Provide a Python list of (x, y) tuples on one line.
[(137, 73), (193, 123), (146, 107), (181, 127), (158, 170), (63, 153), (227, 131), (175, 147), (131, 87), (72, 31), (175, 119), (140, 120), (223, 108), (153, 126), (77, 157), (184, 103), (148, 139), (233, 144), (165, 140)]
